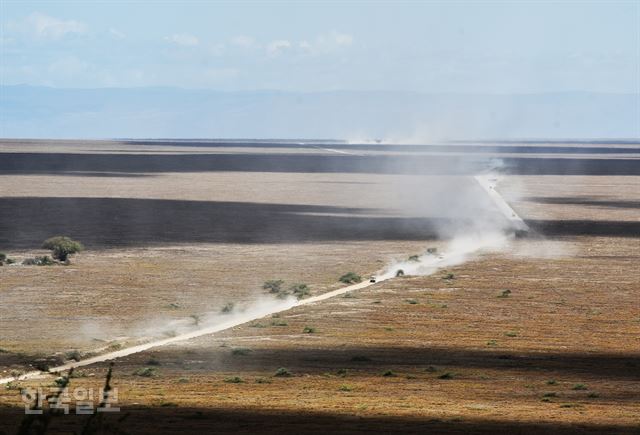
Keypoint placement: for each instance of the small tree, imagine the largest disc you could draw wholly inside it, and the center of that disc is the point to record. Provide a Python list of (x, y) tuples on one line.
[(350, 278), (61, 247)]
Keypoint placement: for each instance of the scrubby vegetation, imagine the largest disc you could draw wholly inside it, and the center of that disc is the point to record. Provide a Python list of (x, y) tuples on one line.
[(309, 330), (300, 290), (146, 372), (282, 372), (415, 258), (38, 261), (234, 380), (399, 272), (62, 247), (350, 278), (274, 286), (227, 308)]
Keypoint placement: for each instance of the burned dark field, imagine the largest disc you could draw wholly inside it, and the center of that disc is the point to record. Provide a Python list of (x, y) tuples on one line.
[(541, 334)]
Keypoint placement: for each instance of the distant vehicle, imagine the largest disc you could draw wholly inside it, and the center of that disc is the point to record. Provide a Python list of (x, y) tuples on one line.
[(372, 279)]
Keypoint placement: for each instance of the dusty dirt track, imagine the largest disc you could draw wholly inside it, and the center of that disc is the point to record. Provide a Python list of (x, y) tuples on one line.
[(558, 354)]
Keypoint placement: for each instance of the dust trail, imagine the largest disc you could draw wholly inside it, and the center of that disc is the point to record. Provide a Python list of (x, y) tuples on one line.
[(458, 251)]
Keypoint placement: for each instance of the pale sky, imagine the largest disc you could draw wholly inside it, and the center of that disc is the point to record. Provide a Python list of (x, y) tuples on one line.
[(429, 46)]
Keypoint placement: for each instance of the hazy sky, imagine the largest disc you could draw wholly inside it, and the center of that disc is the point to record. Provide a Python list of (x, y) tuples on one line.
[(472, 46)]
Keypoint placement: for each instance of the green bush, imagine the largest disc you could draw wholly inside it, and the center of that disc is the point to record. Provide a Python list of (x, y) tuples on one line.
[(350, 278), (38, 261), (62, 247), (274, 286), (146, 372), (300, 290), (282, 372), (309, 330), (234, 380)]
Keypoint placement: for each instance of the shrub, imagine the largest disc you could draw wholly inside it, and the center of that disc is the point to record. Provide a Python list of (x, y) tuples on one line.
[(432, 251), (282, 372), (153, 362), (447, 375), (345, 388), (279, 323), (341, 372), (300, 290), (62, 247), (3, 258), (579, 387), (73, 355), (350, 278), (146, 372), (262, 381), (448, 276), (274, 285), (551, 382), (309, 330), (388, 374), (511, 334), (505, 293), (399, 272), (412, 301), (196, 319), (228, 308), (415, 258), (550, 395), (38, 261), (234, 380), (242, 351), (10, 261)]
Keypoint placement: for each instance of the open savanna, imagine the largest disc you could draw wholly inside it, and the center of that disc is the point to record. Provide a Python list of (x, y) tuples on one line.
[(558, 352)]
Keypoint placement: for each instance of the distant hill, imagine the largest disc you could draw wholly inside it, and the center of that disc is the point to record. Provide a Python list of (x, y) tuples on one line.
[(42, 112)]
